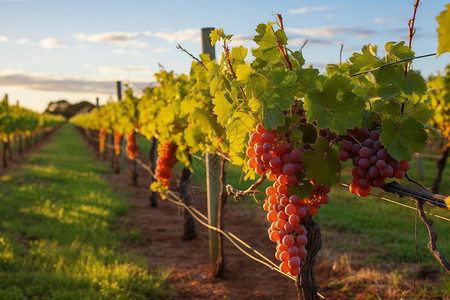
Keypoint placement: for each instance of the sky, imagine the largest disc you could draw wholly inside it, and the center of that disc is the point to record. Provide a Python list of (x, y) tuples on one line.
[(77, 50)]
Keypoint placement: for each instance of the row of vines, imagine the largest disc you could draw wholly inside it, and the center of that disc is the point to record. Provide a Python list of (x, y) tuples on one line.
[(285, 122), (22, 128)]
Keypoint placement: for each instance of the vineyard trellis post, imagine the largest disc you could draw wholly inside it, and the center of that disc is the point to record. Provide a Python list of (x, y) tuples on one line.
[(212, 165)]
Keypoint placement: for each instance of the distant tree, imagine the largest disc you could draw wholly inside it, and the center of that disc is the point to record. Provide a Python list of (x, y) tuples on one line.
[(63, 107)]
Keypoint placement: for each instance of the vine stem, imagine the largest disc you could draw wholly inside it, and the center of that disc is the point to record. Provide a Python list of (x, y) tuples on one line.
[(411, 30), (282, 49), (238, 194), (411, 34), (433, 237), (227, 53)]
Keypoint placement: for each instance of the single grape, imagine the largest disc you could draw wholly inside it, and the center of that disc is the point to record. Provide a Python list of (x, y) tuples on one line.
[(346, 146), (288, 240), (268, 137), (365, 152), (289, 169), (267, 146), (275, 162), (301, 240), (296, 155), (344, 155), (375, 135)]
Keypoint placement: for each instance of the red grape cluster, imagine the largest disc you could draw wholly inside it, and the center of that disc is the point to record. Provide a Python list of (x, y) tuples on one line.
[(282, 163), (132, 149), (372, 163), (117, 140), (166, 161)]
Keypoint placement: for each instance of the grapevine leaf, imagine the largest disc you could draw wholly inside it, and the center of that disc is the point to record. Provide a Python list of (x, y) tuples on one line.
[(335, 106), (214, 36), (322, 164), (237, 130), (238, 54), (401, 139), (223, 108), (296, 137), (243, 72), (303, 189), (309, 133), (397, 51), (281, 37), (365, 60), (443, 31), (268, 49), (392, 82)]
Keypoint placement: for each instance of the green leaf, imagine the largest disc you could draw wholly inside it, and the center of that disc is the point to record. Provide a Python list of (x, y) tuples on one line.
[(335, 106), (296, 137), (223, 108), (237, 133), (309, 133), (303, 189), (397, 51), (238, 54), (365, 60), (443, 31), (322, 163), (268, 49), (401, 139)]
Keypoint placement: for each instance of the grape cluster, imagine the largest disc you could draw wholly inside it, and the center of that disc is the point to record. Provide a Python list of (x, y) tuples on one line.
[(102, 140), (372, 163), (117, 140), (166, 161), (132, 149), (282, 162)]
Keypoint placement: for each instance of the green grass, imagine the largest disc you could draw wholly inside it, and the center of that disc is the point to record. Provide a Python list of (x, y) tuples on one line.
[(57, 230)]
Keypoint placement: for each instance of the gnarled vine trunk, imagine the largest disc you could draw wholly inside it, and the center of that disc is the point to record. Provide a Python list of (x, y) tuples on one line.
[(219, 267), (306, 282), (190, 231)]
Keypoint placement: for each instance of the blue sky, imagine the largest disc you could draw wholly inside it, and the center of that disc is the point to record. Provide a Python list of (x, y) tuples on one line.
[(60, 49)]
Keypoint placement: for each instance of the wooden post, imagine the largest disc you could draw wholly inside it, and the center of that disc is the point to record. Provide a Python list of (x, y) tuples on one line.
[(119, 90), (97, 103), (206, 43), (212, 171)]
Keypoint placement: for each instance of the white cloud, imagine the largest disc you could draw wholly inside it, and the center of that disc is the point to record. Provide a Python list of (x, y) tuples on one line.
[(117, 51), (25, 42), (306, 9), (330, 31), (119, 38), (161, 50), (50, 43), (385, 21), (3, 38), (188, 34)]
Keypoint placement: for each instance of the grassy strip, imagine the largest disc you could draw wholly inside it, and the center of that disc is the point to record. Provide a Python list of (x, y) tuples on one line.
[(56, 238)]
